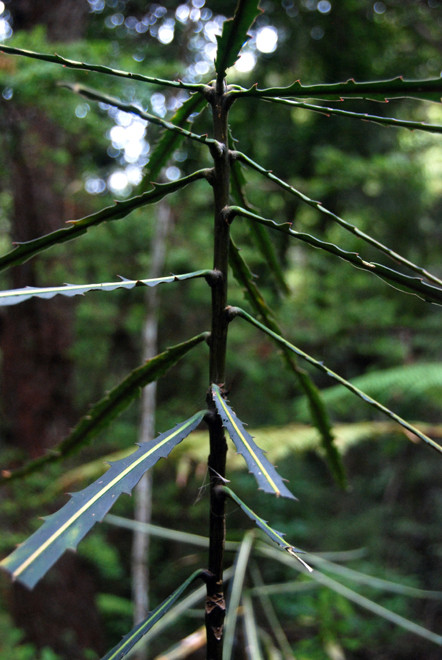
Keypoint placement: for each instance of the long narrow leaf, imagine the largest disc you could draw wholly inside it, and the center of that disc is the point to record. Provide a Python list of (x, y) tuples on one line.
[(358, 599), (99, 68), (275, 536), (234, 34), (377, 90), (316, 404), (384, 121), (251, 635), (119, 210), (65, 528), (236, 311), (170, 141), (240, 568), (129, 641), (264, 472), (109, 407), (15, 296), (340, 221), (404, 283), (100, 97)]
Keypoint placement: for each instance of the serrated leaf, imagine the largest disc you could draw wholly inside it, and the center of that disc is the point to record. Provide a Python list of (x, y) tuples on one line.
[(236, 311), (362, 116), (15, 296), (64, 529), (110, 406), (98, 68), (235, 34), (273, 534), (373, 90), (264, 472), (169, 141), (119, 210), (129, 641), (400, 281)]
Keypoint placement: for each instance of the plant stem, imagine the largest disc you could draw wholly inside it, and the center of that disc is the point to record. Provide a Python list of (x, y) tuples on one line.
[(215, 602)]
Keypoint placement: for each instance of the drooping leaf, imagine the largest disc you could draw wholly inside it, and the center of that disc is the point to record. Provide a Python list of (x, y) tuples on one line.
[(134, 636), (400, 281), (235, 34), (64, 529), (358, 599), (99, 68), (264, 472), (119, 210), (170, 141), (375, 90), (236, 311), (104, 411), (259, 234), (273, 534), (316, 405), (362, 116), (336, 218), (15, 296)]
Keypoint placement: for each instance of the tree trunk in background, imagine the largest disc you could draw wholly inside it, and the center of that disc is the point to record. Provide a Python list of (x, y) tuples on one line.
[(35, 337), (143, 491)]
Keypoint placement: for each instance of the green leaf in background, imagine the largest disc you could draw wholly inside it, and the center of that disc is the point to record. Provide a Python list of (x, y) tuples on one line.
[(15, 296), (65, 528), (235, 34), (129, 641), (275, 536), (104, 411), (264, 472)]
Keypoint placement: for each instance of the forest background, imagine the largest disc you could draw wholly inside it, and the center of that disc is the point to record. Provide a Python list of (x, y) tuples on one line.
[(62, 157)]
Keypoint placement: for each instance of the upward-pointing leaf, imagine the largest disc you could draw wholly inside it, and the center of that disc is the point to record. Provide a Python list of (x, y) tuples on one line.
[(65, 528), (234, 34), (110, 406), (264, 472)]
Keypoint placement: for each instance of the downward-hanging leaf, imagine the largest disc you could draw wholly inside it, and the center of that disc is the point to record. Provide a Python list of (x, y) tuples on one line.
[(170, 141), (104, 411), (275, 536), (316, 405), (119, 210), (236, 311), (129, 641), (234, 34), (264, 472), (373, 90), (15, 296), (65, 528)]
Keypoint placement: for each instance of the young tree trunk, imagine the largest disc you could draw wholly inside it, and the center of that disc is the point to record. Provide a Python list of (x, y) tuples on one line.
[(143, 491), (215, 601)]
